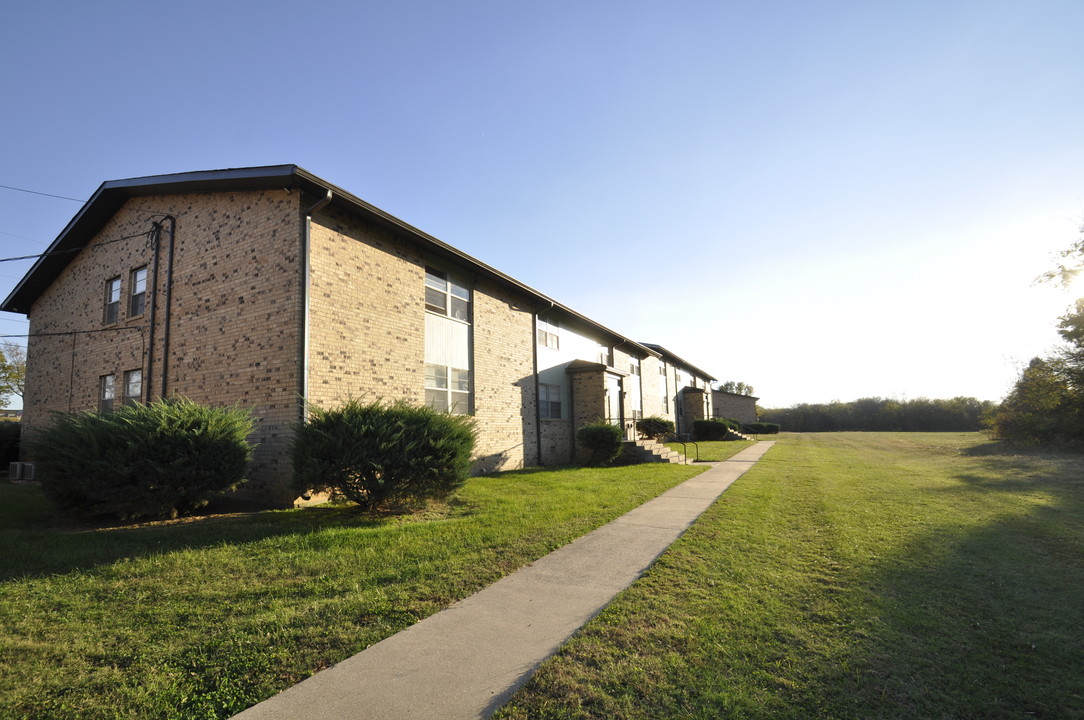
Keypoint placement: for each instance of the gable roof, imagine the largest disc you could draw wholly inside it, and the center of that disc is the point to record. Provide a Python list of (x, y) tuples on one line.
[(113, 194)]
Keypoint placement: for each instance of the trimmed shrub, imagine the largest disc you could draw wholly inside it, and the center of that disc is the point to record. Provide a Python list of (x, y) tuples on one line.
[(715, 429), (374, 454), (602, 441), (654, 427), (761, 428), (162, 459)]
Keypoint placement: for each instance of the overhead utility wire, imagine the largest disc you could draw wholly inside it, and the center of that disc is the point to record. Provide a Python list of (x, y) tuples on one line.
[(145, 233), (35, 192)]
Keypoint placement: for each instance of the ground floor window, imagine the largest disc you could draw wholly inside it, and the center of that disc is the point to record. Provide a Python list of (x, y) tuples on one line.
[(447, 389), (107, 391), (549, 402), (133, 387)]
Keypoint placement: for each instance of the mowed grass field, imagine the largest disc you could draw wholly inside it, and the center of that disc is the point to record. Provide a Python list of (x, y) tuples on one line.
[(205, 617), (851, 575)]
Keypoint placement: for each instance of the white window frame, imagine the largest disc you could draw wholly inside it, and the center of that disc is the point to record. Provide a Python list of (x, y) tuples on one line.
[(549, 402), (111, 312), (137, 291), (107, 393), (447, 295), (133, 386), (549, 334), (447, 389)]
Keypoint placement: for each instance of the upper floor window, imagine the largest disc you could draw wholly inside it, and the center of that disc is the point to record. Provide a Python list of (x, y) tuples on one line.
[(133, 386), (446, 295), (137, 301), (112, 302), (634, 366), (548, 335), (549, 401), (604, 356), (107, 391)]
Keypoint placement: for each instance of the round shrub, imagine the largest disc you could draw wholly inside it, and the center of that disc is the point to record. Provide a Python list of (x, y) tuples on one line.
[(602, 441), (375, 454), (162, 459), (654, 427), (715, 429)]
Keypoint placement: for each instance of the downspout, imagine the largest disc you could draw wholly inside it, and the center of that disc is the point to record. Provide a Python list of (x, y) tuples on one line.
[(151, 312), (538, 382), (169, 306), (306, 253)]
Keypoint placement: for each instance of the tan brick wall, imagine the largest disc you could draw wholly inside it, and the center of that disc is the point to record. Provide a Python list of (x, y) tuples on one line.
[(505, 404), (367, 336), (233, 325), (366, 314), (736, 407), (556, 442)]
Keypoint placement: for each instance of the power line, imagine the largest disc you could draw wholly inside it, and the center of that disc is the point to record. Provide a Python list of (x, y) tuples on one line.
[(35, 192), (145, 233)]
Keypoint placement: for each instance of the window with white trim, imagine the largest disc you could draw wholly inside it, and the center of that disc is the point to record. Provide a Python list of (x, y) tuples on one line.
[(137, 298), (112, 302), (133, 386), (446, 295), (549, 402), (447, 389), (548, 335), (107, 392)]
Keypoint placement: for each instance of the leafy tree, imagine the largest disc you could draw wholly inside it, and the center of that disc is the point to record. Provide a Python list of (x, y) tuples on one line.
[(1042, 407), (738, 388), (12, 370)]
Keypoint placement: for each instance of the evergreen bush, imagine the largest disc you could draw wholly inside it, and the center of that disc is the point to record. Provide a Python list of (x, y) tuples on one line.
[(375, 454), (602, 441), (654, 427), (161, 459), (760, 428), (714, 429)]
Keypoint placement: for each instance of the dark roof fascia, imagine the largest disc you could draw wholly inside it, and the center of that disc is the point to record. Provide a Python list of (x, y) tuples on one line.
[(741, 395), (112, 195), (678, 361), (447, 252)]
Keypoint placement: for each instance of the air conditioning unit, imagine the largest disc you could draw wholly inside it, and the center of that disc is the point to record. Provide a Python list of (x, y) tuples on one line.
[(21, 471)]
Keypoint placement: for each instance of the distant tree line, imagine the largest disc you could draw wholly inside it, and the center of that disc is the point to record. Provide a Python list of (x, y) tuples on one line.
[(960, 414)]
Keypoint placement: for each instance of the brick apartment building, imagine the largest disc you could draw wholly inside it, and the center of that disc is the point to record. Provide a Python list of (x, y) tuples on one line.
[(272, 289)]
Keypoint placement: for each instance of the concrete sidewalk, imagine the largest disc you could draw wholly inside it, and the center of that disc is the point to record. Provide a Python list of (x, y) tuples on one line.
[(465, 661)]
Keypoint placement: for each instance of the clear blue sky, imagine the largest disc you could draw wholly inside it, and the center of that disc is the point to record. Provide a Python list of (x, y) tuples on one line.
[(824, 200)]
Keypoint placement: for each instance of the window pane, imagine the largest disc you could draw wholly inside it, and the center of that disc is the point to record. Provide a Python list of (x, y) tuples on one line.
[(435, 300), (133, 385), (437, 399), (139, 281), (460, 309), (461, 380), (436, 376), (436, 279), (113, 291), (460, 403), (460, 291)]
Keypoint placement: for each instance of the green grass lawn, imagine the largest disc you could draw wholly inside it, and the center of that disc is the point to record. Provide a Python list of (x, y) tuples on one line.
[(204, 617), (711, 450), (851, 575)]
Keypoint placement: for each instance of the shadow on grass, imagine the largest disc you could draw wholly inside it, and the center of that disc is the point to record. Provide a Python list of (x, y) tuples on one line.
[(39, 542), (982, 623)]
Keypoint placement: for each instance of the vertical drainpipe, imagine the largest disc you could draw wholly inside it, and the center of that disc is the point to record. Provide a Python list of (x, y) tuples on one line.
[(537, 389), (149, 384), (168, 309), (306, 241)]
